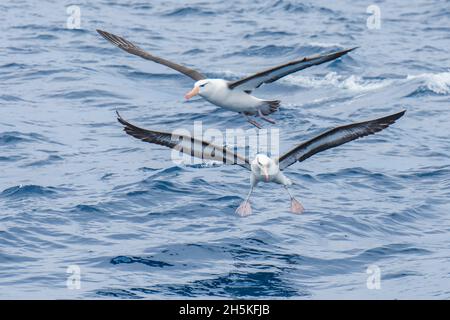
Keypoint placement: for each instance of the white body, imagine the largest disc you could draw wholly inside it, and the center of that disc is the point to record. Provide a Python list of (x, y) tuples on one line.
[(217, 92), (266, 169)]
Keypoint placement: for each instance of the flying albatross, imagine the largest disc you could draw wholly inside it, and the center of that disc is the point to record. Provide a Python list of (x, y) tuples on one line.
[(263, 168), (231, 95)]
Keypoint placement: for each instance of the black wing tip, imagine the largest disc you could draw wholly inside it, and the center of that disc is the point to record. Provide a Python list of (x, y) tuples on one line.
[(351, 49), (343, 52), (122, 120), (395, 116), (101, 32)]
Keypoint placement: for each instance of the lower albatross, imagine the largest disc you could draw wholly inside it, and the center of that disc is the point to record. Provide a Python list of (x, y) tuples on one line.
[(263, 168), (232, 95)]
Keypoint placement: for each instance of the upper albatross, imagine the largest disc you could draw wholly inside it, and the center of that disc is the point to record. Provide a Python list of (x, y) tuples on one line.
[(263, 168), (231, 95)]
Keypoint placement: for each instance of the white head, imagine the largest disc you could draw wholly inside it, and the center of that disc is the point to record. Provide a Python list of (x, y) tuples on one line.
[(204, 88), (265, 166)]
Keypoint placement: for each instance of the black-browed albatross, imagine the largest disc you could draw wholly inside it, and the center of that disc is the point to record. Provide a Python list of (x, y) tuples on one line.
[(263, 168), (231, 95)]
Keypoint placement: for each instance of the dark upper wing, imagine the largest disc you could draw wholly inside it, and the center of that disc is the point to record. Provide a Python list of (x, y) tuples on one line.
[(273, 74), (186, 144), (133, 49), (335, 137)]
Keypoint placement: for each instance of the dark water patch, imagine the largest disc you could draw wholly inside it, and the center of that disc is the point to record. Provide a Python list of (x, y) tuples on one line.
[(138, 193), (8, 138), (14, 259), (268, 34), (147, 169), (84, 208), (424, 91), (164, 186), (51, 29), (263, 51), (141, 6), (85, 94), (225, 199), (399, 275), (193, 52), (52, 159), (145, 261), (27, 191), (205, 165), (12, 138), (117, 293), (356, 172), (140, 75), (427, 173), (46, 37), (410, 215), (107, 176), (391, 251), (10, 98), (127, 5), (237, 285), (10, 158), (14, 65), (189, 11), (43, 73), (289, 6), (169, 172)]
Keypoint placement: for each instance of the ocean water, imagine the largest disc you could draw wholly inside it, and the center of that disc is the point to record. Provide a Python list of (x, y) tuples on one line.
[(76, 192)]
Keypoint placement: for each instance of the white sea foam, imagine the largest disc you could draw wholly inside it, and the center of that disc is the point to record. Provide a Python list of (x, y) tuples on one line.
[(437, 82), (332, 79)]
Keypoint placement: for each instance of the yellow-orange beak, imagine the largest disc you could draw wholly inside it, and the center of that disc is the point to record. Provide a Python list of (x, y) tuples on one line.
[(192, 93)]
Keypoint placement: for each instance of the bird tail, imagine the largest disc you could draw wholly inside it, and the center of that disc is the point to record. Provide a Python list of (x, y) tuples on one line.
[(270, 106)]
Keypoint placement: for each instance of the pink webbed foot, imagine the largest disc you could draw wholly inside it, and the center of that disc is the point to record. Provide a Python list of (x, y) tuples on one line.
[(245, 209), (296, 206)]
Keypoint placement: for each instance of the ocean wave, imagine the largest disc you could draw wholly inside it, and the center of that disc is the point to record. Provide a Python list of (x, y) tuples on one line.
[(14, 137), (189, 11), (23, 191), (145, 261), (84, 208), (296, 7), (50, 160), (268, 34), (431, 83), (270, 50), (289, 51), (333, 79)]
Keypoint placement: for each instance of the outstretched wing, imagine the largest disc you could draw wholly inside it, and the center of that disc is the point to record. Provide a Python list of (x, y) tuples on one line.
[(186, 144), (133, 49), (335, 137), (273, 74)]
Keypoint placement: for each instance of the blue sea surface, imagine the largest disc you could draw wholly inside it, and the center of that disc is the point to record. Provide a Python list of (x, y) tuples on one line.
[(75, 190)]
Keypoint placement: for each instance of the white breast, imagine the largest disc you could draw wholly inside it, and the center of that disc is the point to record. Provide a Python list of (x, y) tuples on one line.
[(275, 175)]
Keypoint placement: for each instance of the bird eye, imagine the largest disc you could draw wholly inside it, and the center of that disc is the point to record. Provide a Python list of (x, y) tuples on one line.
[(202, 85)]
